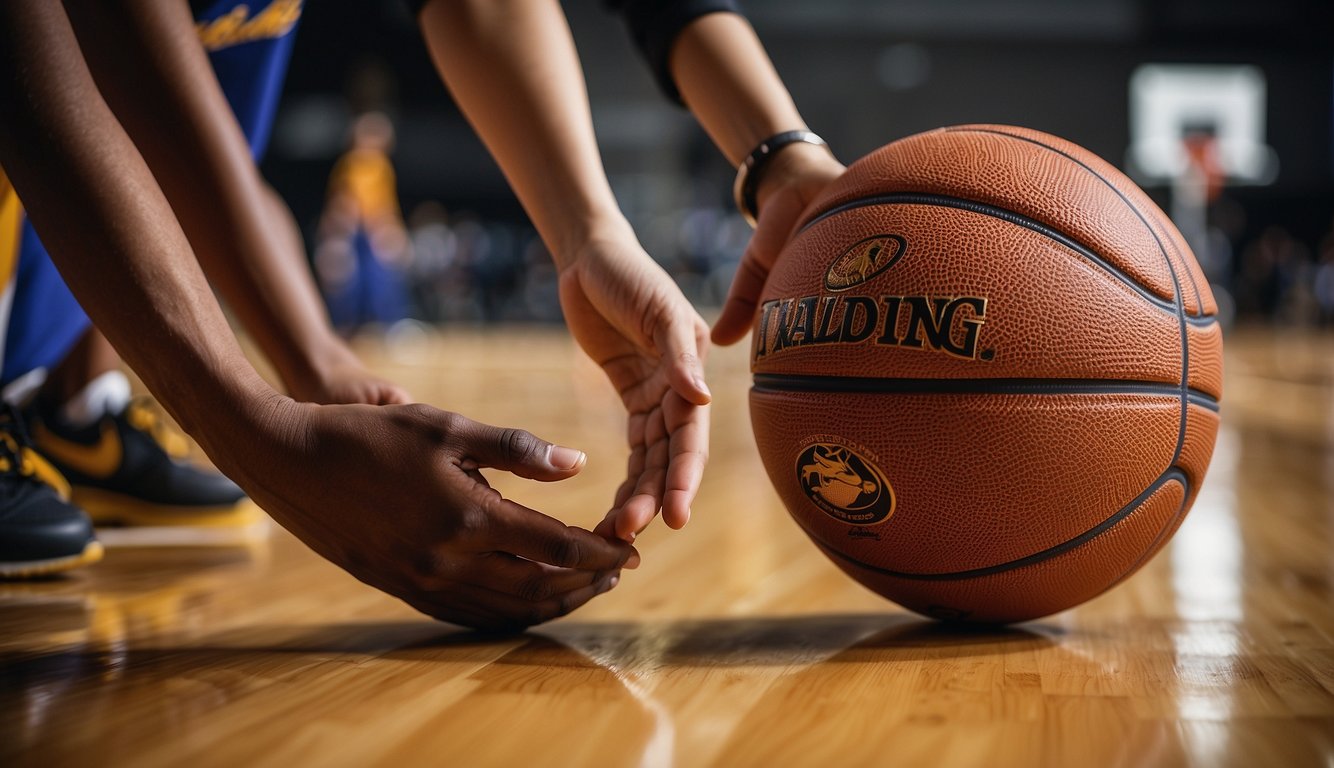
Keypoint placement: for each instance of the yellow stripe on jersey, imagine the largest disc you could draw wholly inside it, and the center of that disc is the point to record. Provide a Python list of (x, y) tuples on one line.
[(11, 224), (238, 26)]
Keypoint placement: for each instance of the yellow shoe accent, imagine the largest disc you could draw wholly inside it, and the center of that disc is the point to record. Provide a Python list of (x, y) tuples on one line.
[(101, 460), (143, 416), (33, 465), (111, 508), (32, 569)]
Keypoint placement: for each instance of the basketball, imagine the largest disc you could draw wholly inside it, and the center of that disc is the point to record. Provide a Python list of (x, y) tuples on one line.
[(987, 373)]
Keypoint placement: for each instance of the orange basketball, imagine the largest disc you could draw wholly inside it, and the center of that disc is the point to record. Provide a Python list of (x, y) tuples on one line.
[(987, 374)]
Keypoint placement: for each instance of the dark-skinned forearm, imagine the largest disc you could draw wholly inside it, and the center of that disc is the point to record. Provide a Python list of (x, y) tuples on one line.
[(110, 231), (148, 63)]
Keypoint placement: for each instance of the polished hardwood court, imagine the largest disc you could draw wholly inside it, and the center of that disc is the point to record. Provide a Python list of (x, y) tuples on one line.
[(735, 644)]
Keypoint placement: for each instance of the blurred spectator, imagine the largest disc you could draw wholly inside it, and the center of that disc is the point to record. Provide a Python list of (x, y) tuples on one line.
[(1275, 279), (433, 268), (1324, 279)]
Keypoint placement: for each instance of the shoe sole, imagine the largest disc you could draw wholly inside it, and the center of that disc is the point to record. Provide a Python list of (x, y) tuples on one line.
[(110, 508), (36, 568)]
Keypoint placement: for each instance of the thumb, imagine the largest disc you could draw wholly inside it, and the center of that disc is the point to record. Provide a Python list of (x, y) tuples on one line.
[(518, 451), (739, 310), (772, 231), (680, 345)]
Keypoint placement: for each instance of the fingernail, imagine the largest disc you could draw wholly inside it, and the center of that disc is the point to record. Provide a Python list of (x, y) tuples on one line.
[(613, 581), (632, 562), (699, 382), (563, 458)]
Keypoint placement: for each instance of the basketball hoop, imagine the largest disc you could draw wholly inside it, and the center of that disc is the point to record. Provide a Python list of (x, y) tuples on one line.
[(1175, 106), (1198, 128)]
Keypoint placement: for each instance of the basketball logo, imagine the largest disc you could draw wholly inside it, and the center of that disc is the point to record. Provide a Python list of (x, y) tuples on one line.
[(844, 484), (863, 261)]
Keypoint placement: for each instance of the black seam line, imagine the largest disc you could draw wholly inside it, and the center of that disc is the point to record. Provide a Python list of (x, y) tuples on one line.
[(1199, 301), (1174, 473), (791, 382), (1163, 534), (944, 201), (1202, 400), (1178, 303)]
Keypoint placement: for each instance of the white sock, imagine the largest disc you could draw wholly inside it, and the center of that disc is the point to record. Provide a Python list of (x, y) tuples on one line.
[(21, 391), (106, 394)]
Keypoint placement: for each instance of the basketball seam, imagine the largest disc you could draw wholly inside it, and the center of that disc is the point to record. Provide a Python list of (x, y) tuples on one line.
[(1158, 541), (1174, 473), (1199, 301), (1004, 214), (1171, 269), (792, 382)]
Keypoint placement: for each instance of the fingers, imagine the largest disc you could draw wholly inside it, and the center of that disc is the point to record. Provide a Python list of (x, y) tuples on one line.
[(360, 389), (525, 579), (688, 453), (521, 531), (672, 470), (638, 459), (392, 394), (669, 449), (679, 344), (494, 610), (517, 451), (640, 496), (502, 612)]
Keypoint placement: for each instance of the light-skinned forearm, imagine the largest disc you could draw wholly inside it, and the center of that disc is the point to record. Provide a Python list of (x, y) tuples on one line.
[(728, 82), (512, 68), (726, 79), (157, 79), (110, 230)]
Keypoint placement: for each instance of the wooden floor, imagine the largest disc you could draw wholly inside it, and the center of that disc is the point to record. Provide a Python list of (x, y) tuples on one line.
[(735, 644)]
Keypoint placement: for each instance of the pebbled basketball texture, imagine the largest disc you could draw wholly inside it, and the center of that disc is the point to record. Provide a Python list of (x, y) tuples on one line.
[(987, 374)]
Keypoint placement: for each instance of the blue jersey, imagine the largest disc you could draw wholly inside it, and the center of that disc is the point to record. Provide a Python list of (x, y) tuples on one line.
[(249, 53), (249, 50)]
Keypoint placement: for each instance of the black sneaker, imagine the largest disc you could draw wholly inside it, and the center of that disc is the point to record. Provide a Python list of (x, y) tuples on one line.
[(41, 532), (129, 469)]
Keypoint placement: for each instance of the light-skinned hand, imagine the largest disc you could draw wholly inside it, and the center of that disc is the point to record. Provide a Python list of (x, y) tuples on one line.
[(631, 318), (794, 177)]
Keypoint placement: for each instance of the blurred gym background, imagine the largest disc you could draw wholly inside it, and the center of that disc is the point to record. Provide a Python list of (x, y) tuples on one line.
[(456, 247)]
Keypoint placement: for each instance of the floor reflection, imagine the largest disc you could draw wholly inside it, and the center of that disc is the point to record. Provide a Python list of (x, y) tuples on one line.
[(73, 635), (1206, 553)]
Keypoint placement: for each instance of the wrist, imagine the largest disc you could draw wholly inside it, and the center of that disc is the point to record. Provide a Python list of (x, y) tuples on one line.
[(759, 164), (796, 164), (222, 412), (251, 434), (608, 226), (320, 361)]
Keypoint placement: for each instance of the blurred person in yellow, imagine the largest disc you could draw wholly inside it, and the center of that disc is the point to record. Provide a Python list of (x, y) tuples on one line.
[(363, 244)]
